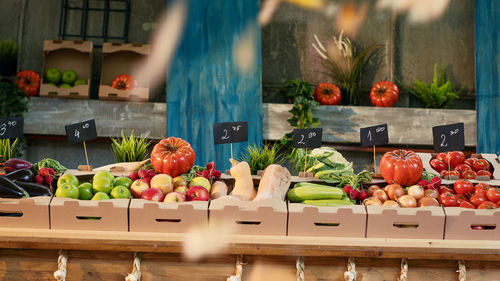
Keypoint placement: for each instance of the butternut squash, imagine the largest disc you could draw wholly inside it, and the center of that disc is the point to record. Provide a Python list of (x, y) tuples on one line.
[(274, 183), (243, 183), (219, 189)]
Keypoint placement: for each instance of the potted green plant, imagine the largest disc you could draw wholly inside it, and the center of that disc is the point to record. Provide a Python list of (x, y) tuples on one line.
[(259, 157), (14, 102), (437, 94), (302, 95), (8, 58), (347, 63), (130, 149)]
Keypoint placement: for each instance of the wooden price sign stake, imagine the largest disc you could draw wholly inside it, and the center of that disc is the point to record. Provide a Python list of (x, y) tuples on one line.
[(81, 132), (11, 128), (373, 136), (307, 138), (230, 132), (449, 138)]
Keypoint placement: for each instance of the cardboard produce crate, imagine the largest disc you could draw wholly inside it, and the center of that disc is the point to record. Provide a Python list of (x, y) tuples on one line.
[(67, 55), (266, 217), (419, 223), (459, 223), (118, 58), (345, 221), (110, 215), (491, 158), (25, 213), (150, 216)]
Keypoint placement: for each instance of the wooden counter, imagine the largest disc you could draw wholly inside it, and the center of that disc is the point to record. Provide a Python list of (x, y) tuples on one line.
[(28, 254)]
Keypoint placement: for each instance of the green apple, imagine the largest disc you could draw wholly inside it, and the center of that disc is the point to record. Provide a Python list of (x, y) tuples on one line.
[(65, 86), (69, 77), (52, 84), (67, 178), (120, 192), (100, 196), (123, 181), (68, 190), (104, 174), (53, 75), (85, 190), (102, 184), (200, 181), (80, 82)]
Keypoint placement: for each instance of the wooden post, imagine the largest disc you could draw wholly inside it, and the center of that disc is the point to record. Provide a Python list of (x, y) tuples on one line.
[(86, 157)]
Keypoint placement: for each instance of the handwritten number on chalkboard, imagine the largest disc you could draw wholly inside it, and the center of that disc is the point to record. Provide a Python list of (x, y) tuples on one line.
[(225, 136), (370, 135), (301, 141), (454, 132), (77, 133), (443, 142), (3, 129)]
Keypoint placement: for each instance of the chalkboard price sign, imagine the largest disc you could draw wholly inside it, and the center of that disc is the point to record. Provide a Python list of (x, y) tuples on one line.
[(82, 131), (449, 137), (307, 138), (11, 128), (230, 132), (374, 135)]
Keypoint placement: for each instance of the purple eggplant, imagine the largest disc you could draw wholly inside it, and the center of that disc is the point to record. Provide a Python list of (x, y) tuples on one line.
[(14, 164), (24, 175)]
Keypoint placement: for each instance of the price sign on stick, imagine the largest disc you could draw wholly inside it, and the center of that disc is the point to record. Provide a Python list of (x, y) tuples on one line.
[(307, 138), (81, 132), (230, 132), (11, 128), (373, 136), (449, 137)]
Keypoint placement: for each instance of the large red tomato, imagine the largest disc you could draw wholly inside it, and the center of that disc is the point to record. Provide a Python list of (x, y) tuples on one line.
[(384, 94), (327, 94), (403, 167), (172, 156), (124, 82), (28, 81), (455, 158)]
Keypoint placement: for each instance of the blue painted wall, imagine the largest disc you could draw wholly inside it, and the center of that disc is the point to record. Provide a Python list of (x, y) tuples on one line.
[(205, 87), (487, 24)]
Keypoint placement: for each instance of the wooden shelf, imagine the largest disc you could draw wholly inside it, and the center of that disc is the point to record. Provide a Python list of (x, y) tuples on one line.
[(45, 114), (253, 245)]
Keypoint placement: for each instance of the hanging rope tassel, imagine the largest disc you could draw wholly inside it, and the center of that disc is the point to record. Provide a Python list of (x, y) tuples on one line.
[(62, 262), (238, 271), (350, 274), (404, 270), (462, 273), (136, 270), (300, 268)]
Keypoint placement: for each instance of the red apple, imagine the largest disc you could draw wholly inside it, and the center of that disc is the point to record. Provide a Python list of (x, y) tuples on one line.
[(197, 193), (138, 187), (181, 189), (153, 194), (174, 197)]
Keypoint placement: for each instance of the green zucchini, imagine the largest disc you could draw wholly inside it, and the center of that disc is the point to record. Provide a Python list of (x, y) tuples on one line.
[(328, 202), (308, 191)]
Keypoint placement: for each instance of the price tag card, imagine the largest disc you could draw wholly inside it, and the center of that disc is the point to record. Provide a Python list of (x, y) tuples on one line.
[(374, 135), (82, 131), (11, 128), (307, 138), (230, 132), (449, 137)]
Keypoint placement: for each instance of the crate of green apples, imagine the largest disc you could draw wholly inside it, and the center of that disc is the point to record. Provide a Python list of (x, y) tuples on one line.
[(101, 204), (66, 69)]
